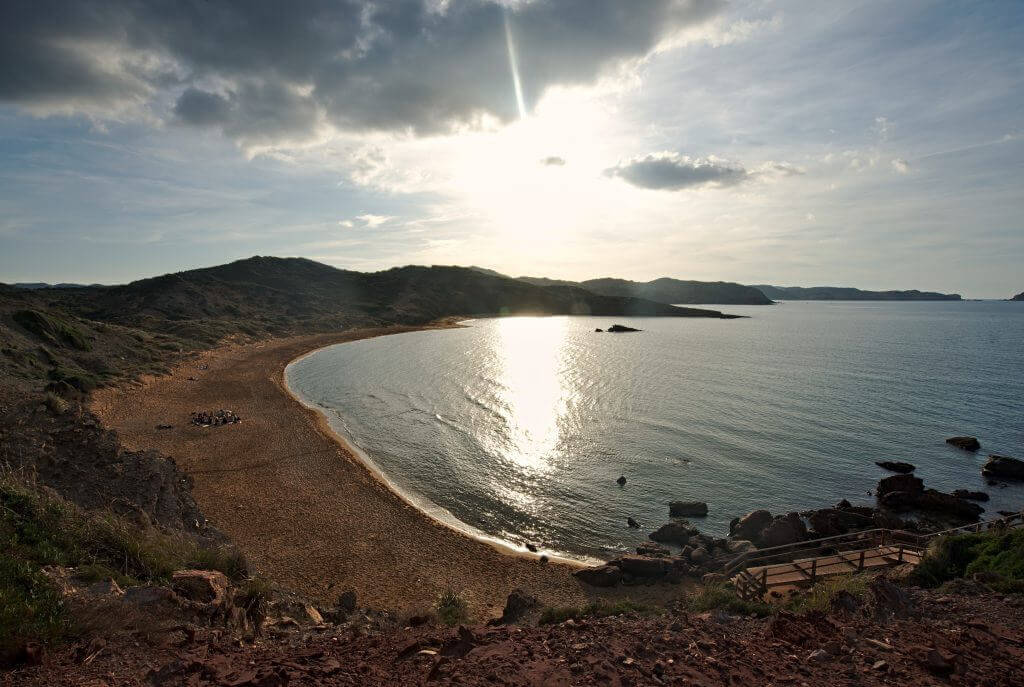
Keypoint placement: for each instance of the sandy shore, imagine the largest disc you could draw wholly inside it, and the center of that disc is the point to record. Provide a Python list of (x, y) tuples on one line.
[(307, 513)]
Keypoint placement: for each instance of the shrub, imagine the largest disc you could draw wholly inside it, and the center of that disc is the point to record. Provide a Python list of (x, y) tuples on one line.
[(253, 597), (820, 596), (451, 608), (600, 609), (723, 596), (56, 404), (37, 530), (999, 552), (52, 329)]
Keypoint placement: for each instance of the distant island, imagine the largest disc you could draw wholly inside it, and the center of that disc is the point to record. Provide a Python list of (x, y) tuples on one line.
[(689, 292), (840, 293), (667, 290), (1018, 297)]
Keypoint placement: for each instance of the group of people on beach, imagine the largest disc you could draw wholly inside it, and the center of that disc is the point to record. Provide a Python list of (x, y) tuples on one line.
[(215, 419)]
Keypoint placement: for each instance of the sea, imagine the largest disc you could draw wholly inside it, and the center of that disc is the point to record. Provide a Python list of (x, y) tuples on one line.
[(517, 429)]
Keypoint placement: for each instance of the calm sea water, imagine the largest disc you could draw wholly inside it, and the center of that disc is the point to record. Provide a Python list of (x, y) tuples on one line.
[(519, 427)]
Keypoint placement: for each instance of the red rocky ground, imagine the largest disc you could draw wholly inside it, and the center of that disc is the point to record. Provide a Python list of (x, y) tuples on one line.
[(894, 637)]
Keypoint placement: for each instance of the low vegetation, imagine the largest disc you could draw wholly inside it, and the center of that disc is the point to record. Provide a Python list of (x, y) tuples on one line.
[(601, 609), (723, 596), (451, 608), (39, 529), (53, 329), (997, 555), (821, 597)]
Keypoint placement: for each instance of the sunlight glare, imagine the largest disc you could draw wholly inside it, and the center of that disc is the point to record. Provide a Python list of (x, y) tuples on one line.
[(531, 351)]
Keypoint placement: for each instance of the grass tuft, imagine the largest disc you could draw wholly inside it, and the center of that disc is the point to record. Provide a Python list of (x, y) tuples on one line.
[(451, 607), (722, 595), (601, 609)]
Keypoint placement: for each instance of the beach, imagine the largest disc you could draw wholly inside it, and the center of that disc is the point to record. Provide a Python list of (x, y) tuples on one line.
[(304, 509)]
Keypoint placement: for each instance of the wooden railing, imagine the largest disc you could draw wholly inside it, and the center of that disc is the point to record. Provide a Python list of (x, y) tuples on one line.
[(854, 541)]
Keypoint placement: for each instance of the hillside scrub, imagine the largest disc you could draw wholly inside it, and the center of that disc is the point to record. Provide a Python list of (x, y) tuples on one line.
[(999, 554), (39, 529)]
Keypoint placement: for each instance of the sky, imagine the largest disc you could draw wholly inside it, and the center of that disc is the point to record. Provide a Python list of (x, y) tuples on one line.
[(875, 144)]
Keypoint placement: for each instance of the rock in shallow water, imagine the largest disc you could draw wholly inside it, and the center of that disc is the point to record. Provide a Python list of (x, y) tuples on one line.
[(1004, 467), (895, 466), (686, 508), (965, 443)]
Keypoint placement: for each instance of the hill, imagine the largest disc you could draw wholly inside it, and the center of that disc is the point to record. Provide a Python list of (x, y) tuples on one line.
[(666, 290), (841, 293)]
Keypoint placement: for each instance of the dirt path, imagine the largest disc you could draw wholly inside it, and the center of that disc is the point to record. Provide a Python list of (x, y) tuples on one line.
[(306, 512)]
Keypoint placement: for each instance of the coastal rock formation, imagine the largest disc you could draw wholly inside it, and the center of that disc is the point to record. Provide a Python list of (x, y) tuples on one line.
[(949, 504), (678, 532), (633, 524), (687, 508), (965, 443), (619, 328), (908, 484), (1018, 297), (1004, 467), (895, 466), (766, 531), (621, 481), (641, 566), (750, 525), (601, 576), (971, 495), (783, 530)]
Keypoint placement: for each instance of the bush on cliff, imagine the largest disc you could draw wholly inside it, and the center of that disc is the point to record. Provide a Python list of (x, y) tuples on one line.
[(999, 553), (39, 529)]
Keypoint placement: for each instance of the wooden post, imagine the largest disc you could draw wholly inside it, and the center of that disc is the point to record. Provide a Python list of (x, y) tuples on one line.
[(860, 563), (900, 558), (764, 581), (814, 570)]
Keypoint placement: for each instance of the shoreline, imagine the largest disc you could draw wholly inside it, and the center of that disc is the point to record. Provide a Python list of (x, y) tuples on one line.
[(308, 513), (423, 504)]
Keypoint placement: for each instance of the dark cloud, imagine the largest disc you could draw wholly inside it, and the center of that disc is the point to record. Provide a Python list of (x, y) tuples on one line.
[(264, 68), (673, 172), (553, 161)]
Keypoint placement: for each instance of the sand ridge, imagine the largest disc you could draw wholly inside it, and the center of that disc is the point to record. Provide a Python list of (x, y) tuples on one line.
[(307, 513)]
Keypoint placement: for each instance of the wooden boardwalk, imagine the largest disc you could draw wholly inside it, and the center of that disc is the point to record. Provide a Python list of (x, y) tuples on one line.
[(764, 573), (758, 581)]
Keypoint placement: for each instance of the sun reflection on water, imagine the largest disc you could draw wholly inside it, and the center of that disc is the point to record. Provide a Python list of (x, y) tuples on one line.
[(532, 389)]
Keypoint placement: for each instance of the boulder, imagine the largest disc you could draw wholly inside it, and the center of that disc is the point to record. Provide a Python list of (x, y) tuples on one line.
[(600, 576), (739, 546), (618, 328), (898, 500), (965, 443), (621, 481), (641, 566), (784, 529), (1003, 467), (949, 504), (346, 601), (971, 495), (698, 555), (895, 466), (207, 587), (905, 483), (750, 525), (630, 522), (687, 508), (830, 522), (678, 532), (517, 605)]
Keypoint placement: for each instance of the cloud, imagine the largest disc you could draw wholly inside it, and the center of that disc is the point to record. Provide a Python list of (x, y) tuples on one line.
[(374, 221), (262, 71), (673, 172), (900, 166), (553, 161)]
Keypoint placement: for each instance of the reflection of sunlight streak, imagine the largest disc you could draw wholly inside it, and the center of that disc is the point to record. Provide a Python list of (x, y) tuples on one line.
[(513, 63), (531, 351)]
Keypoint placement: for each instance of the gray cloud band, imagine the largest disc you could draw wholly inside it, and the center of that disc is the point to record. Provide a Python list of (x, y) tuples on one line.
[(267, 70)]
